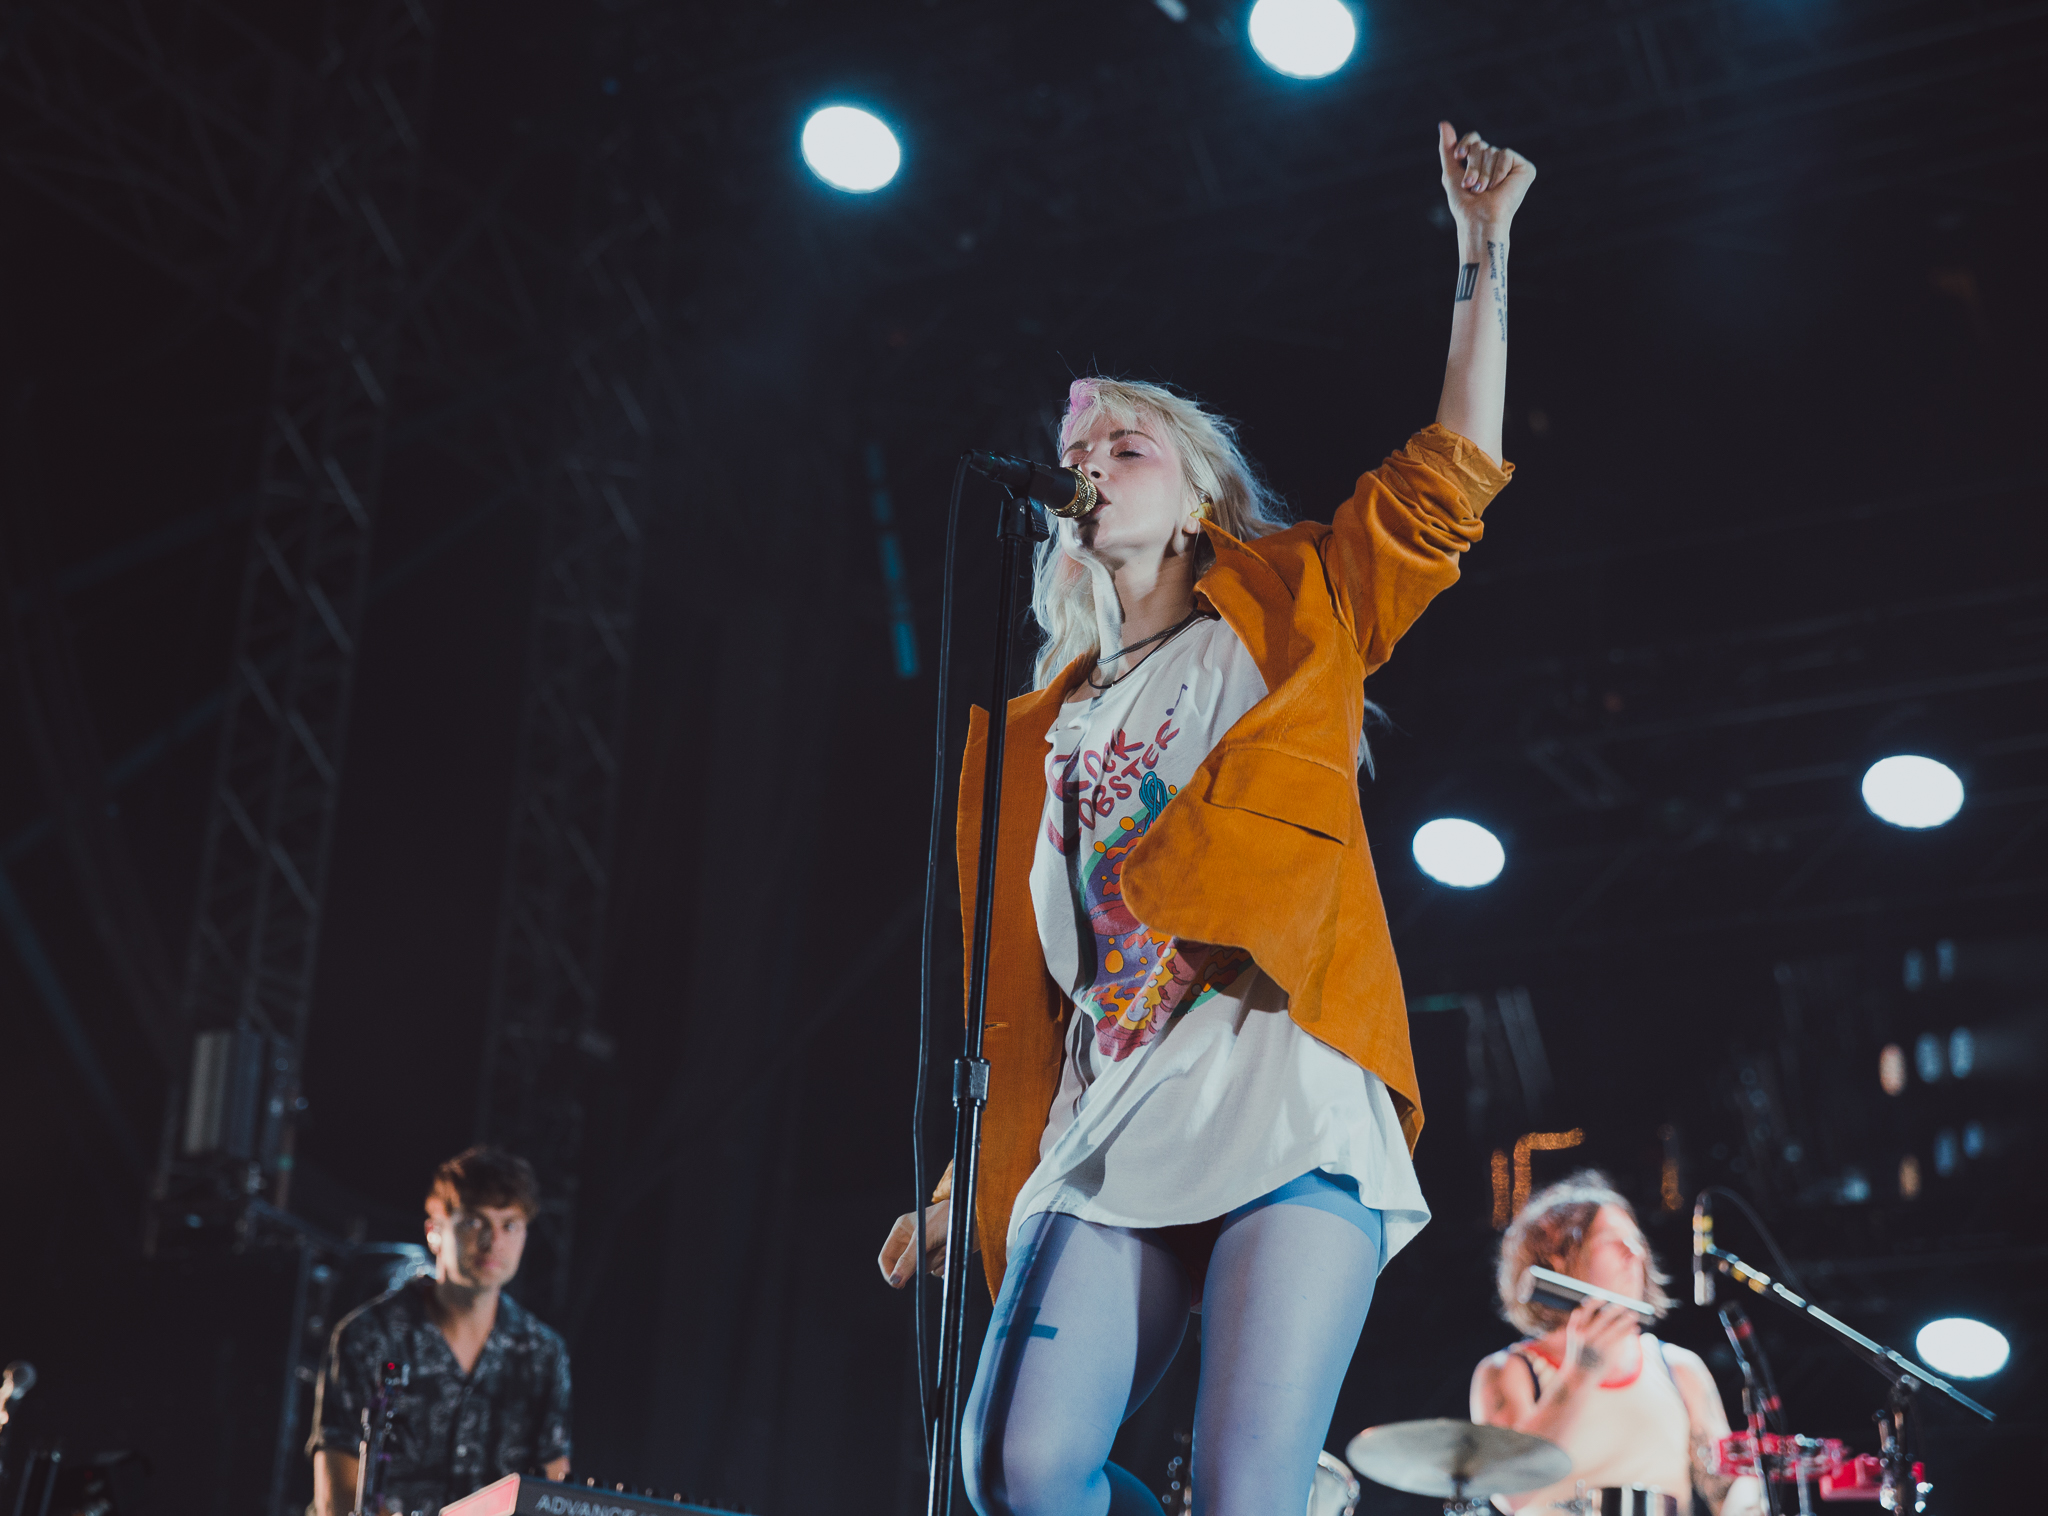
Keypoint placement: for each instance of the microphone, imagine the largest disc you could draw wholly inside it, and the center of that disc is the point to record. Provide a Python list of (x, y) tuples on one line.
[(1063, 491), (1702, 1245), (1548, 1287), (16, 1380)]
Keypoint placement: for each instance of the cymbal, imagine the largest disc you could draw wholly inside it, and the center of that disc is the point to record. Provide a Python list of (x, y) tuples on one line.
[(1454, 1459)]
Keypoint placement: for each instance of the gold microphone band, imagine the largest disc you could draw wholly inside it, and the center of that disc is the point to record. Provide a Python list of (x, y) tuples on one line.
[(1085, 498)]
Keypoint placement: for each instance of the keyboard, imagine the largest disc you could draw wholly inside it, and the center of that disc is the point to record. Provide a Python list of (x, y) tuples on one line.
[(525, 1495)]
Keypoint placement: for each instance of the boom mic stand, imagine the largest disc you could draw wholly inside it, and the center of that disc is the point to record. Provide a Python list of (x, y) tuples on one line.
[(1019, 527), (1901, 1492)]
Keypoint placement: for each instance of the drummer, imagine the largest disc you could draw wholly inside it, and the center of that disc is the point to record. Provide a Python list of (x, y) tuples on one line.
[(1631, 1410)]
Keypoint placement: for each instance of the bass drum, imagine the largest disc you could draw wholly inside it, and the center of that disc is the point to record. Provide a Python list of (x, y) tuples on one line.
[(1335, 1491)]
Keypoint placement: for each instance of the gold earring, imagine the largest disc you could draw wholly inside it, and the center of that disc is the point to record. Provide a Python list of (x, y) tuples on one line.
[(1202, 506)]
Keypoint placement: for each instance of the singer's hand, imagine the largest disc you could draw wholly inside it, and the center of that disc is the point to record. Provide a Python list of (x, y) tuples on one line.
[(896, 1261), (1595, 1335), (1483, 183)]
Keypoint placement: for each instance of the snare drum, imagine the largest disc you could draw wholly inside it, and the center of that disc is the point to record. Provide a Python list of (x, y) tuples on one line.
[(1335, 1491), (1631, 1500)]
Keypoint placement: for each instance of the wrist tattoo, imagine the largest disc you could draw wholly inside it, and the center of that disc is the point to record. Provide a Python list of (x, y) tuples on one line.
[(1468, 280), (1497, 267), (1589, 1360)]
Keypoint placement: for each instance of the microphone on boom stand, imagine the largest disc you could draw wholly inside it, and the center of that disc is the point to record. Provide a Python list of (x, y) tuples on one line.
[(1702, 1244), (1063, 491)]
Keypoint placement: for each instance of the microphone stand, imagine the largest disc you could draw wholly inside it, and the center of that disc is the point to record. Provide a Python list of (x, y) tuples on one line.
[(1901, 1491), (1020, 525), (1736, 1325), (372, 1460)]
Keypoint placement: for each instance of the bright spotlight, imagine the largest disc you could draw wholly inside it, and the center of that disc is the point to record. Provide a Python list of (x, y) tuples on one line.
[(1304, 39), (1962, 1347), (1911, 792), (851, 149), (1463, 854)]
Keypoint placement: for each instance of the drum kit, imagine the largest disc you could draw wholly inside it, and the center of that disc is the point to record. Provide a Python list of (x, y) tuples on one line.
[(1462, 1463), (1466, 1463)]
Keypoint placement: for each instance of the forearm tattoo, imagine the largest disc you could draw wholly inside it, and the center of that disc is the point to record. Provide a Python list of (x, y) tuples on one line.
[(1707, 1477), (1497, 268), (1468, 280)]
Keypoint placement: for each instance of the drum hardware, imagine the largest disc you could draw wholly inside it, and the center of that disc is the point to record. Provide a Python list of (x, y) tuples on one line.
[(1180, 1488), (1903, 1485), (1460, 1462), (1630, 1500), (1335, 1490), (1332, 1492), (1179, 1494)]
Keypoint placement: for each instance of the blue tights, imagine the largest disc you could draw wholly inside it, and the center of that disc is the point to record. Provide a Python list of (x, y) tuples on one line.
[(1089, 1317)]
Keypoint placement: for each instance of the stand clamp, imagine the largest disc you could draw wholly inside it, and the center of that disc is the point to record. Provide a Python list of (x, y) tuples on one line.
[(970, 1081)]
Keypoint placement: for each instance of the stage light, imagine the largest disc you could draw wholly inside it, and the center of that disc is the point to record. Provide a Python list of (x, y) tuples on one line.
[(850, 149), (1462, 854), (1948, 1155), (1962, 1052), (1911, 792), (1891, 1069), (1961, 1347), (1304, 39), (1927, 1057)]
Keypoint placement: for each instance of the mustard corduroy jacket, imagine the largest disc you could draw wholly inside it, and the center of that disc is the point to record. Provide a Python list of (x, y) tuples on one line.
[(1264, 848)]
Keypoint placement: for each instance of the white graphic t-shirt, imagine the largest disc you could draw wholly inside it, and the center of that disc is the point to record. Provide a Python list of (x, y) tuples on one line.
[(1186, 1090)]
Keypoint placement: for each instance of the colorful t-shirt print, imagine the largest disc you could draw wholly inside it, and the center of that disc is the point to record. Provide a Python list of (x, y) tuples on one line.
[(1113, 768)]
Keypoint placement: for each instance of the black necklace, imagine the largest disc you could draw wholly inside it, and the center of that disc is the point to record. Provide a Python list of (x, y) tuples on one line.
[(1179, 626)]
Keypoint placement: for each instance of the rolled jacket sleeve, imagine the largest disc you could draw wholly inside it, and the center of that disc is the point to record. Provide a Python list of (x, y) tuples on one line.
[(1396, 543)]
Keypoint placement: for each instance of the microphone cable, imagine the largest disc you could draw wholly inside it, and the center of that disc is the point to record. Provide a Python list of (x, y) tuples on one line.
[(1777, 1253), (934, 847)]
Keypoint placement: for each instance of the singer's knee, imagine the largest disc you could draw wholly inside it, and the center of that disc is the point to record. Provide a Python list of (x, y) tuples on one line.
[(1025, 1475)]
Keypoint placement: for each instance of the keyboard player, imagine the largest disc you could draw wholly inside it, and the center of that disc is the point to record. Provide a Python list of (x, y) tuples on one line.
[(488, 1388)]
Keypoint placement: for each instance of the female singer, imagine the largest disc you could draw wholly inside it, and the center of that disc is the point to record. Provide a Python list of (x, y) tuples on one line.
[(1201, 1090)]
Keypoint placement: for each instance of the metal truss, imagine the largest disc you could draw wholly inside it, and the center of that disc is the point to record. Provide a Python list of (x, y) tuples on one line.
[(547, 981), (170, 129), (204, 149), (263, 875)]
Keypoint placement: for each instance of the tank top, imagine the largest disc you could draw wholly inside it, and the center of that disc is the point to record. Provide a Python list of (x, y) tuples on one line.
[(1638, 1433)]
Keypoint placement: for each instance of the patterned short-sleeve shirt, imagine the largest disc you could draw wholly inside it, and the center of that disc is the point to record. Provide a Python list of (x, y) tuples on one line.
[(452, 1432)]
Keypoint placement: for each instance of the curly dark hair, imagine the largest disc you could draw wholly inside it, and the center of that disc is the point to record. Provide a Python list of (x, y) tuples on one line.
[(485, 1175), (1549, 1231)]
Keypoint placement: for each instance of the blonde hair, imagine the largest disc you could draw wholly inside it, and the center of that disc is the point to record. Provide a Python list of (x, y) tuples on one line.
[(1240, 502), (1549, 1231)]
